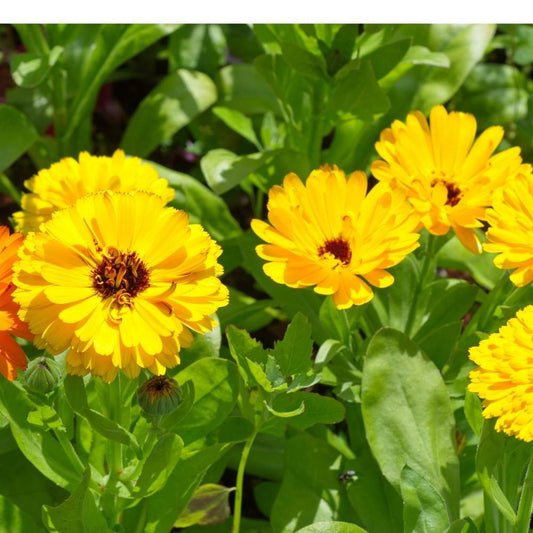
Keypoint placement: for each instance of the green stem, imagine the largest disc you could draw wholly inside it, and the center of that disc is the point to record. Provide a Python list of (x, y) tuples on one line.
[(485, 313), (258, 204), (239, 484), (526, 501), (429, 256), (142, 518), (350, 337), (69, 451)]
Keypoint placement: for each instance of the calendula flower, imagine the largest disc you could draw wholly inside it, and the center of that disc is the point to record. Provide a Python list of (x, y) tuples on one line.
[(12, 356), (448, 178), (511, 228), (331, 235), (119, 281), (64, 182), (504, 377)]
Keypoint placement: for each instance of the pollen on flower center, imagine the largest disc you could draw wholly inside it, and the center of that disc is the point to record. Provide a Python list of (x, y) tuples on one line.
[(120, 274), (338, 248)]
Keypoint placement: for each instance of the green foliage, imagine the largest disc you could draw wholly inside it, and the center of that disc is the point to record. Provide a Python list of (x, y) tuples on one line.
[(341, 421)]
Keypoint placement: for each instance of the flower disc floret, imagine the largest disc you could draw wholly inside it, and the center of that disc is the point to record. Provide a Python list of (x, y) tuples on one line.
[(330, 235), (511, 228), (12, 356), (64, 182), (448, 177), (119, 280), (504, 377)]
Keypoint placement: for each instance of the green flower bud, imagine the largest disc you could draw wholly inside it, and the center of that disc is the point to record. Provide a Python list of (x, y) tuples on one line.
[(42, 375), (159, 395)]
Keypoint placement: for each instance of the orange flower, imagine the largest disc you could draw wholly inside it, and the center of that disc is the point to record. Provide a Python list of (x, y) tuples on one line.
[(12, 356)]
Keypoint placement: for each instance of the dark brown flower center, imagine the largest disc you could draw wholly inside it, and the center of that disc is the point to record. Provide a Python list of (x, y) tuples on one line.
[(338, 248), (120, 274), (454, 192)]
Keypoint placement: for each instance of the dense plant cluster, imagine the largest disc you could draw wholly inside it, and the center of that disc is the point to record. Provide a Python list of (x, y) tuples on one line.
[(266, 278)]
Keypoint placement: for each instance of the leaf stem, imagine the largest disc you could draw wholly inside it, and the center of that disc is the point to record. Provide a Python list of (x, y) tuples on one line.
[(239, 483), (69, 450), (526, 501)]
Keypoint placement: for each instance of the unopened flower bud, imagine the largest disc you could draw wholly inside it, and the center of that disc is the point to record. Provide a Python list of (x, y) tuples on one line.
[(42, 375), (159, 395)]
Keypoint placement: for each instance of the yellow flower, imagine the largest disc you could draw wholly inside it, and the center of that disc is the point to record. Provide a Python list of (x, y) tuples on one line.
[(448, 178), (511, 228), (64, 182), (329, 234), (504, 377), (118, 280)]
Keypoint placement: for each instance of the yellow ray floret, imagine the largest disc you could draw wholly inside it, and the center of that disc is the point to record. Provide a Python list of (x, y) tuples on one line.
[(119, 281), (511, 228), (64, 182), (504, 377), (448, 177), (330, 235)]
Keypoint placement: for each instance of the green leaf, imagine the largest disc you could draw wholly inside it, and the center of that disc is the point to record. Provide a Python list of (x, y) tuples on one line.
[(75, 392), (14, 519), (287, 414), (223, 169), (17, 134), (408, 416), (421, 55), (246, 312), (203, 206), (7, 187), (110, 429), (93, 52), (77, 514), (318, 409), (239, 123), (246, 350), (159, 465), (491, 449), (465, 46), (216, 387), (393, 305), (25, 490), (386, 57), (170, 106), (454, 255), (356, 94), (332, 527), (198, 46), (234, 429), (29, 69), (310, 490), (304, 61), (170, 420), (293, 353), (209, 505), (164, 506), (37, 445), (45, 417), (245, 90), (371, 489), (291, 300), (464, 525), (424, 508)]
